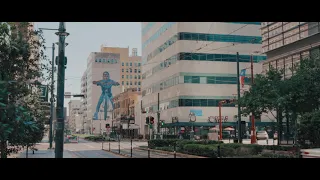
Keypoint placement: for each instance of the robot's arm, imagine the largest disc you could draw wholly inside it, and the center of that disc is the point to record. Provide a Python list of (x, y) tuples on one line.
[(98, 83), (115, 83)]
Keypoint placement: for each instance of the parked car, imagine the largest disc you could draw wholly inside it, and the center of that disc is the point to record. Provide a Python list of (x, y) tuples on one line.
[(262, 135)]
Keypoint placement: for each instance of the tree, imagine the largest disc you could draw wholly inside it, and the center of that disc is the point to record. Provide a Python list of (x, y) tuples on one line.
[(22, 61), (309, 129)]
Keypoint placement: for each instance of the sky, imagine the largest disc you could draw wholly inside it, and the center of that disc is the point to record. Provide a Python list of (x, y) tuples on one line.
[(87, 37)]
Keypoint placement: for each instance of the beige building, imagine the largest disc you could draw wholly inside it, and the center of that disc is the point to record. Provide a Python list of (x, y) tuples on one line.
[(124, 111), (286, 43), (130, 67), (122, 68), (74, 121)]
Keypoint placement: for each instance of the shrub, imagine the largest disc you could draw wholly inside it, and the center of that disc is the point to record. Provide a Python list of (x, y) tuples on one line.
[(170, 148), (95, 138), (201, 150), (271, 155), (161, 143)]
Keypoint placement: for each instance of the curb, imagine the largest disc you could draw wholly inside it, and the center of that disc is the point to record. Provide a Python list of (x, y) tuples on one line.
[(171, 153), (121, 154)]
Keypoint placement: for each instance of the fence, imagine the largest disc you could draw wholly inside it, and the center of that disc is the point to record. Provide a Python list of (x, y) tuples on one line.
[(134, 149)]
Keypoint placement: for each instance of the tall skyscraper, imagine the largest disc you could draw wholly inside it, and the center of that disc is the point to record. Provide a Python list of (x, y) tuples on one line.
[(286, 43), (193, 66)]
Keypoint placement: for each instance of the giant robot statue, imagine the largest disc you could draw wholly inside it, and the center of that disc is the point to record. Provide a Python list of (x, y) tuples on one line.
[(106, 94)]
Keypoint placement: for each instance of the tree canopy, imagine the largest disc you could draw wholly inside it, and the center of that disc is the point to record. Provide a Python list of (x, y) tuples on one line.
[(22, 64)]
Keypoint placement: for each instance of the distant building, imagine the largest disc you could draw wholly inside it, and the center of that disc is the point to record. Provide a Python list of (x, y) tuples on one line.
[(122, 68), (75, 120), (124, 118)]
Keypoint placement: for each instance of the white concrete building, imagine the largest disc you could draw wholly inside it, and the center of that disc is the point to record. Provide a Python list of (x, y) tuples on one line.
[(75, 120), (140, 118), (193, 66)]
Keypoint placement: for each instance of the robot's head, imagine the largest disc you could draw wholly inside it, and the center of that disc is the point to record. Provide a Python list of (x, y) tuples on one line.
[(106, 75)]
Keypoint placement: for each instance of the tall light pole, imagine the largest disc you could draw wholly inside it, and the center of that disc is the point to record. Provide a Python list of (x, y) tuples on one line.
[(62, 62)]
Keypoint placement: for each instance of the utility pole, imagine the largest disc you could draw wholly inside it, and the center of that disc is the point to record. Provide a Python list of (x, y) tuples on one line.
[(128, 118), (52, 97), (158, 114), (60, 90), (253, 128), (239, 107)]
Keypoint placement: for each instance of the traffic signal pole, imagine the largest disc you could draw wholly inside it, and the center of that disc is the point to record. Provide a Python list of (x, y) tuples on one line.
[(253, 128), (239, 107), (60, 90), (220, 121), (158, 114)]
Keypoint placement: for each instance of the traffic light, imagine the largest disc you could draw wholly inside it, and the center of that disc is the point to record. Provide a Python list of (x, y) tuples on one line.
[(162, 123), (147, 120), (107, 125), (151, 120)]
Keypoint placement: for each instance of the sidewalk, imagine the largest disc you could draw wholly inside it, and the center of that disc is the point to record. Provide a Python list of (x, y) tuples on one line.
[(45, 154)]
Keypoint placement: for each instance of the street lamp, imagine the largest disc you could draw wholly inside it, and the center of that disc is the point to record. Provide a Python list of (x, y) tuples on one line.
[(192, 118), (60, 90)]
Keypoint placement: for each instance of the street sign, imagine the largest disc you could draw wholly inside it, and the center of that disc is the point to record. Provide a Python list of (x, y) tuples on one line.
[(67, 95), (43, 92)]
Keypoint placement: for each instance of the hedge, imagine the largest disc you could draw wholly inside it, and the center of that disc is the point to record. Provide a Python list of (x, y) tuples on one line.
[(95, 138), (210, 148)]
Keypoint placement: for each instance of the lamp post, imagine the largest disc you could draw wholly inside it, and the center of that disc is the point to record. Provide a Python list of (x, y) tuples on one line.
[(192, 118), (239, 106), (60, 90)]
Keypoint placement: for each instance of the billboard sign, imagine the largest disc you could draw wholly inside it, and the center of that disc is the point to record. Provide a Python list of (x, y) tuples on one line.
[(196, 112)]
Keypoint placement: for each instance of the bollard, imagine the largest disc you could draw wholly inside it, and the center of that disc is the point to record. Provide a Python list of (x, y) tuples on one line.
[(174, 150), (267, 141), (148, 150), (219, 150), (119, 146), (131, 149), (109, 143), (102, 145)]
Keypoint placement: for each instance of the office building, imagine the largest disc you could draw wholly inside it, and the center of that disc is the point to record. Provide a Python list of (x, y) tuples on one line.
[(122, 68), (192, 65), (286, 43)]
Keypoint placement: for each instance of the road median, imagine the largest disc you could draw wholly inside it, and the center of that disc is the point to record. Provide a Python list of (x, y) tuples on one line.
[(170, 153)]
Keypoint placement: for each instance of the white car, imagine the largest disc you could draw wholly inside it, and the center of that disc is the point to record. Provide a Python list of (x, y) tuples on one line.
[(262, 135)]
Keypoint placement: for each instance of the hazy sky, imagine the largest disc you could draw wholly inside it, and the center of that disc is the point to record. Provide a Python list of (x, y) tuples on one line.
[(87, 37)]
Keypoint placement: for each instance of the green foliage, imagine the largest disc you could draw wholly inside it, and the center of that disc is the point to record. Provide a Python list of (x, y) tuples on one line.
[(95, 138), (201, 150), (21, 62), (309, 130)]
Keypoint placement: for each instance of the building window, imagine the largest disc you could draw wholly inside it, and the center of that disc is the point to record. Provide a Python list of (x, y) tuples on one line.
[(139, 89), (96, 60), (130, 63), (122, 70), (135, 70), (139, 76), (135, 83), (127, 83), (127, 70), (130, 82), (139, 64), (127, 76), (219, 57), (130, 76), (122, 82), (130, 70), (139, 83), (135, 76), (122, 76), (139, 71), (122, 63)]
